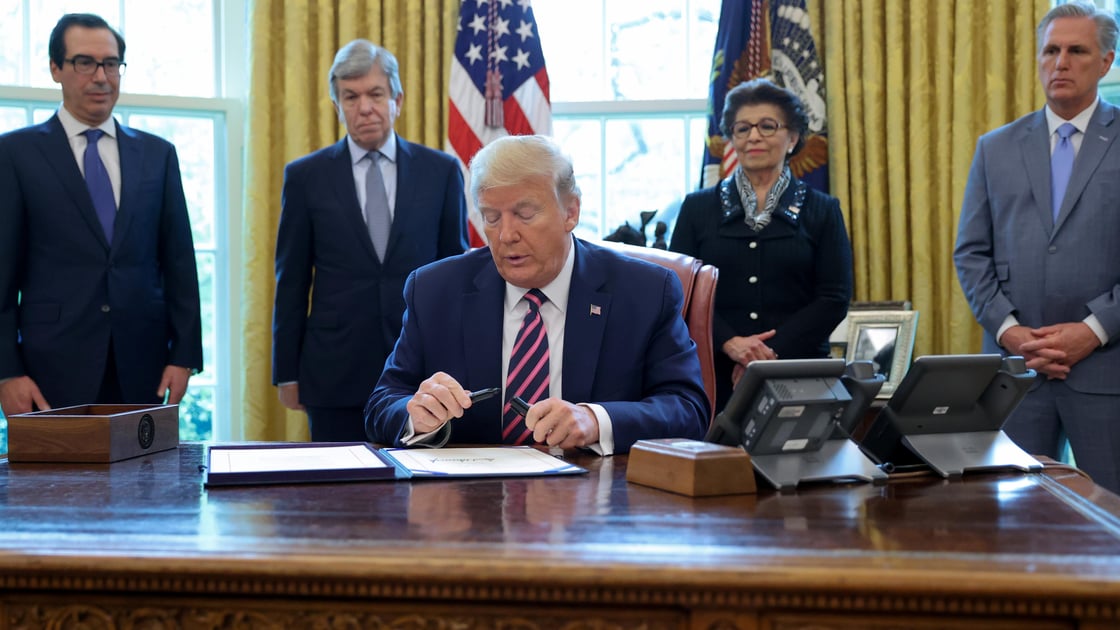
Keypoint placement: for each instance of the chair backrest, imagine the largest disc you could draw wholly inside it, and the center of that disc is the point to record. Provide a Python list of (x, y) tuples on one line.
[(699, 283)]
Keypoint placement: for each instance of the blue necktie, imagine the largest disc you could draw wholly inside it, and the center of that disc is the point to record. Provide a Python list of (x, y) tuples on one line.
[(1061, 165), (97, 181), (378, 220)]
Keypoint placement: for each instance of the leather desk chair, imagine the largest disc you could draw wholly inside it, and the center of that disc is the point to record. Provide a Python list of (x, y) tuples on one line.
[(699, 283)]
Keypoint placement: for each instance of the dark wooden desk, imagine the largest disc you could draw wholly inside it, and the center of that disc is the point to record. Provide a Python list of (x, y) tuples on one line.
[(140, 544)]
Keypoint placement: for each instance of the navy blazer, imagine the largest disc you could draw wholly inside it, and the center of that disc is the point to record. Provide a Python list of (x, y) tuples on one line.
[(632, 354), (793, 276), (76, 290), (324, 257), (1012, 258)]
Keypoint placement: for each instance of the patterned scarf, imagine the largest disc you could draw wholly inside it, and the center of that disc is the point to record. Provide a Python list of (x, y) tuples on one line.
[(755, 218)]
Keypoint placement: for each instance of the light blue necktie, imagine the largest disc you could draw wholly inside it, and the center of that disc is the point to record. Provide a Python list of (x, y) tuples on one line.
[(97, 181), (1061, 165), (378, 220)]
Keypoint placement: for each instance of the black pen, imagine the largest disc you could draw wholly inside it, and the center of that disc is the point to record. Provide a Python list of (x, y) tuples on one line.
[(520, 406), (483, 394)]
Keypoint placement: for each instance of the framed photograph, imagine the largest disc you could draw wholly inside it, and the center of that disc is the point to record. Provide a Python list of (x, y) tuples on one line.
[(886, 338)]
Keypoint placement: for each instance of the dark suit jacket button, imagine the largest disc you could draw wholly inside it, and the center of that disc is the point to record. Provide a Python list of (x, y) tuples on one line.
[(104, 308)]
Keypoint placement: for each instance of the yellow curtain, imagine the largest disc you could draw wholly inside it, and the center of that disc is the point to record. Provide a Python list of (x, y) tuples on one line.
[(290, 114), (910, 87)]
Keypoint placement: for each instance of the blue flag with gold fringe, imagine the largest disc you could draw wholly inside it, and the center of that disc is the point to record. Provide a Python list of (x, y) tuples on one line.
[(767, 38)]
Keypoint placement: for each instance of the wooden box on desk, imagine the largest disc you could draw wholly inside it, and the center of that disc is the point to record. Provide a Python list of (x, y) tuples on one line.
[(691, 467), (92, 433)]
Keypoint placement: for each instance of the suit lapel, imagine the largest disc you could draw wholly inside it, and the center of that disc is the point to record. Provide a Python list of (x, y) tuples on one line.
[(60, 157), (1098, 137), (484, 300), (402, 219), (342, 184), (1035, 147), (585, 322), (132, 164)]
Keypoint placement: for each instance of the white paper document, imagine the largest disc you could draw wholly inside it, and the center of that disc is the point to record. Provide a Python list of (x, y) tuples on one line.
[(493, 461), (296, 458)]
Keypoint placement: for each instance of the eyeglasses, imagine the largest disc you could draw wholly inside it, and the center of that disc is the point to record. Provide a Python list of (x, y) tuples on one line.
[(766, 128), (84, 64)]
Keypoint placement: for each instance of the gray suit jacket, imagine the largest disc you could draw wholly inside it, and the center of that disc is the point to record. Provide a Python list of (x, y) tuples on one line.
[(1013, 258)]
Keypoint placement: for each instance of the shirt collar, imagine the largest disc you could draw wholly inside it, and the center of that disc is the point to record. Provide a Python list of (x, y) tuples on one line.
[(1081, 121), (556, 291), (74, 127), (388, 150)]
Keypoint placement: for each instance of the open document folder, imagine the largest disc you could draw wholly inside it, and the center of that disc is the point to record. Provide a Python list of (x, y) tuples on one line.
[(250, 464)]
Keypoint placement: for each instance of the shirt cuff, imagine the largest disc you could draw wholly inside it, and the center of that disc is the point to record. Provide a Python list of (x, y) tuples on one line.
[(1094, 324), (605, 445), (1010, 321)]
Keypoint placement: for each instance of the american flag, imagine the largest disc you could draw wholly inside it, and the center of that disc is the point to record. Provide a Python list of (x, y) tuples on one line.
[(499, 85), (768, 38)]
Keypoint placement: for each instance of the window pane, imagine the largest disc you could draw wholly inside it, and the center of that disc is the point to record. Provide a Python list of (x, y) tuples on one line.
[(645, 169), (652, 50), (703, 28), (647, 49), (208, 294), (581, 140), (170, 60), (196, 414), (11, 45), (572, 42), (12, 118)]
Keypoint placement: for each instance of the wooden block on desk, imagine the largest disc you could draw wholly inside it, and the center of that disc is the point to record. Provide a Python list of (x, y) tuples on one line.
[(92, 433), (691, 467)]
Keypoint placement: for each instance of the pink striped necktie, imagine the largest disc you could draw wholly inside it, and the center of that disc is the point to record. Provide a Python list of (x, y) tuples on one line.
[(528, 369)]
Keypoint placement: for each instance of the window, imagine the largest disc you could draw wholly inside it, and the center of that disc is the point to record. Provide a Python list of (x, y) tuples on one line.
[(629, 89), (176, 87)]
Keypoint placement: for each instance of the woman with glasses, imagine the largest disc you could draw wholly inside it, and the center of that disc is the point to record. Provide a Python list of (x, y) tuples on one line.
[(782, 251)]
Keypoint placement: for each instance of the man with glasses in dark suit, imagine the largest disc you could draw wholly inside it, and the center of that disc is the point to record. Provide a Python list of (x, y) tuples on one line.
[(99, 299)]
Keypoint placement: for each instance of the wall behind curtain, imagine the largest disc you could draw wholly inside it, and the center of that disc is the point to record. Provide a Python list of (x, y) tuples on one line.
[(910, 87), (290, 114)]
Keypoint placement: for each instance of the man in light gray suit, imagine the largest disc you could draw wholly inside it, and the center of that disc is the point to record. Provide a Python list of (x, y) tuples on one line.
[(1041, 269)]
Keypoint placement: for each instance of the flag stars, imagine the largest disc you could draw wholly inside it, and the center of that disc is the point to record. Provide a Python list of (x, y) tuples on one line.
[(521, 59), (525, 30), (474, 53), (499, 54), (524, 4), (501, 27), (505, 3), (480, 3), (478, 23)]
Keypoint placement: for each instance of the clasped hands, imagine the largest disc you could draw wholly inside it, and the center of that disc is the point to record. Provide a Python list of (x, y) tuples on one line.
[(743, 350), (1051, 350), (553, 421)]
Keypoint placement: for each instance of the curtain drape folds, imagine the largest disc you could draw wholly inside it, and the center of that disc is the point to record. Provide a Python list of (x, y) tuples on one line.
[(910, 88)]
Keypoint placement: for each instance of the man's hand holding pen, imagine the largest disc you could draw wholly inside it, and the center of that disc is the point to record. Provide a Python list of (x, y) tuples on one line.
[(559, 423), (441, 398)]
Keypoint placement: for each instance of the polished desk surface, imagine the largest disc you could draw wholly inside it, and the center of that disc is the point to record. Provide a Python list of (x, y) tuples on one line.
[(148, 523)]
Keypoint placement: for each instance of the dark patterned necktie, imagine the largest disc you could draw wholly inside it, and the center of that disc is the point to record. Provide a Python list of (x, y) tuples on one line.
[(528, 369), (97, 181)]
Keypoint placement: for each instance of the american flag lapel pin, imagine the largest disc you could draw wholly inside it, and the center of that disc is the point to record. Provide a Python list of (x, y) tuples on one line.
[(596, 310)]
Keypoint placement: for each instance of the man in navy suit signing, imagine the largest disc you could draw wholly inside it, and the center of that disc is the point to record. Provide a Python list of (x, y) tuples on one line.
[(357, 218), (1037, 248), (99, 294), (592, 341)]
